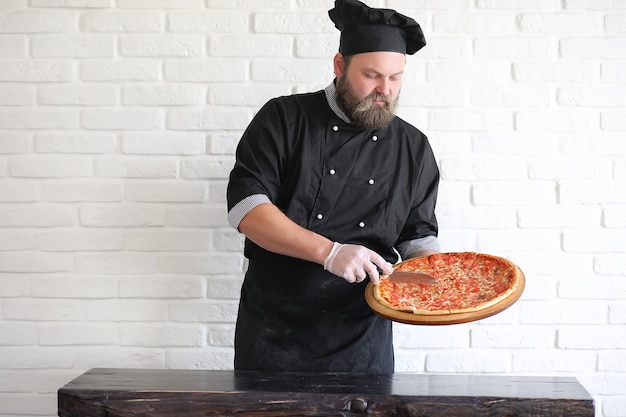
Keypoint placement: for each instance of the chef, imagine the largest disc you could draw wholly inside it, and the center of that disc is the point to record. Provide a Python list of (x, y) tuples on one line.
[(328, 187)]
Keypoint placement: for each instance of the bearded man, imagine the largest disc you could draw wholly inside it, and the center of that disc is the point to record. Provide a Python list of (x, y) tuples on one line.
[(329, 187)]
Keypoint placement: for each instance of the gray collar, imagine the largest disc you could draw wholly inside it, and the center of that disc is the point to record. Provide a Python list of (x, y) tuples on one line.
[(332, 102)]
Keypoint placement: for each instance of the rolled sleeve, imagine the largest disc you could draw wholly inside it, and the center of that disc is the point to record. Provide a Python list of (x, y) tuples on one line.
[(239, 210)]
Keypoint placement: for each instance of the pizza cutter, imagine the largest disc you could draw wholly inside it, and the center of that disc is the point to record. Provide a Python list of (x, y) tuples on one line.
[(407, 277)]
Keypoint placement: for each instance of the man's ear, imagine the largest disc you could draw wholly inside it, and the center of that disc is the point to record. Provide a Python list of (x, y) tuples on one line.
[(338, 64)]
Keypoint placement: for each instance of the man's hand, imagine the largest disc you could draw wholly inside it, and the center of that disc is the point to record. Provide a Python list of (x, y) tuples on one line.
[(355, 262)]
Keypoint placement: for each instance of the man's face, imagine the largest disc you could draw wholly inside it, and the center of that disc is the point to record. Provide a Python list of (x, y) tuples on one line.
[(368, 88)]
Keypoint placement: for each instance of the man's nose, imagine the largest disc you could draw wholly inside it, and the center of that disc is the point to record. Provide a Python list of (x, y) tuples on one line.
[(383, 87)]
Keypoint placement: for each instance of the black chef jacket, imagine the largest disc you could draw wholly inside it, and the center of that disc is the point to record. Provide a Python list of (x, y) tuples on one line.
[(375, 188)]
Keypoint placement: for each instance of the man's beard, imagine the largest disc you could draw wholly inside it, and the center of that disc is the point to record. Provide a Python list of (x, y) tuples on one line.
[(363, 111)]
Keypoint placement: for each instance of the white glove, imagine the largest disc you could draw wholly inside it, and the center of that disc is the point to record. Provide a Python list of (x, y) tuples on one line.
[(355, 262)]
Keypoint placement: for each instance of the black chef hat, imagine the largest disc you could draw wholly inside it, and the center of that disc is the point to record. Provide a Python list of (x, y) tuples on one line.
[(365, 29)]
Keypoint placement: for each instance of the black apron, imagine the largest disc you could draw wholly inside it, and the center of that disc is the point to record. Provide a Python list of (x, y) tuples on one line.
[(298, 317)]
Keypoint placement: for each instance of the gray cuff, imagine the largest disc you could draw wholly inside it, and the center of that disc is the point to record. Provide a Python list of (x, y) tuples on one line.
[(239, 211), (416, 245)]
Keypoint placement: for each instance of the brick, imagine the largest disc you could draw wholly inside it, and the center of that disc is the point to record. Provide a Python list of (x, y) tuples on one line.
[(126, 70), (570, 168), (116, 263), (159, 4), (488, 241), (209, 118), (126, 119), (167, 240), (611, 361), (316, 46), (477, 169), (246, 45), (72, 287), (35, 358), (539, 287), (470, 120), (36, 71), (474, 72), (165, 191), (28, 404), (222, 311), (512, 337), (118, 310), (43, 310), (251, 4), (16, 95), (41, 215), (604, 288), (135, 167), (467, 361), (453, 216), (167, 95), (617, 313), (121, 357), (552, 264), (200, 359), (72, 3), (209, 22), (73, 142), (212, 70), (13, 47), (221, 335), (15, 142), (474, 23), (38, 21), (592, 337), (614, 406), (512, 193), (33, 380), (614, 73), (227, 287), (207, 168), (35, 118), (594, 241), (65, 334), (215, 263), (502, 96), (593, 4), (222, 143), (50, 167), (78, 95), (17, 240), (247, 94), (514, 47), (161, 336), (593, 47), (300, 22), (14, 285), (292, 71), (163, 143), (613, 120), (73, 46), (18, 334), (520, 4), (584, 144), (124, 215), (588, 97), (212, 215), (567, 120), (610, 264), (435, 96), (514, 143), (592, 192), (69, 240), (162, 287), (18, 192), (453, 337), (228, 240), (80, 192), (614, 216), (558, 216), (35, 262), (563, 312), (161, 46), (551, 361), (559, 23), (555, 72), (122, 22)]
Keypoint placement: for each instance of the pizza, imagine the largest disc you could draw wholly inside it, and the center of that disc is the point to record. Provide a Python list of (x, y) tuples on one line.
[(466, 282)]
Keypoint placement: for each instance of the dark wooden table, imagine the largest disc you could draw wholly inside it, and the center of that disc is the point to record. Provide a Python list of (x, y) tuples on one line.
[(190, 393)]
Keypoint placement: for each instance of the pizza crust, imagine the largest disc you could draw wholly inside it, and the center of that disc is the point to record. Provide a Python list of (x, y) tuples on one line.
[(445, 266)]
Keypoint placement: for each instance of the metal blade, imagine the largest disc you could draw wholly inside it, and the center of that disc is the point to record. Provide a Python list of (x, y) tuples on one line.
[(412, 277)]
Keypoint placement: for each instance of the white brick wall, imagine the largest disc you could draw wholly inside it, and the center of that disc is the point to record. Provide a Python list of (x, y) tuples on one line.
[(118, 124)]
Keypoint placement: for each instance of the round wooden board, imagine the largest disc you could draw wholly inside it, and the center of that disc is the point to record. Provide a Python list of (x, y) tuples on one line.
[(439, 319)]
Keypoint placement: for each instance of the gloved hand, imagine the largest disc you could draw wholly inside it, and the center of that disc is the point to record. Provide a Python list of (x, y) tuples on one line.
[(355, 262)]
